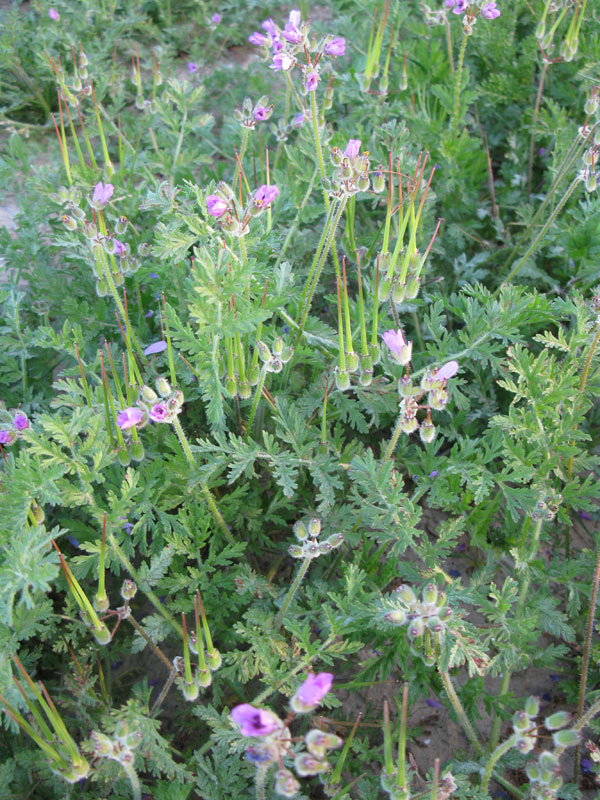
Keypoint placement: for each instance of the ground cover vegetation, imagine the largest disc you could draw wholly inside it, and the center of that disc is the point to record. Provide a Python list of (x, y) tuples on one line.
[(299, 356)]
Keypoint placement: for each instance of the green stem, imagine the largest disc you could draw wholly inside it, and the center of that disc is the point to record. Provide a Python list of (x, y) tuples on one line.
[(257, 396), (580, 724), (542, 232), (178, 146), (210, 500), (393, 441), (461, 58), (240, 159), (326, 248), (136, 789), (498, 753), (291, 592), (506, 676), (261, 776), (460, 712)]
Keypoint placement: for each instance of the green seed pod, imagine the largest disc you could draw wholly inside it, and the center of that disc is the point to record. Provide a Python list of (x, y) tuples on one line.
[(375, 353), (342, 379), (430, 593), (123, 456), (378, 181), (203, 678), (231, 385), (190, 690), (274, 365), (214, 660), (413, 285), (396, 617), (102, 634), (415, 628), (244, 389), (100, 602), (427, 432), (384, 289), (137, 450), (365, 377), (399, 292), (253, 374), (540, 31), (406, 594), (352, 361)]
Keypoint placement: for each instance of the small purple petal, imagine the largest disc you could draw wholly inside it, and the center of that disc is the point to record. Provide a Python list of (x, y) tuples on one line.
[(352, 149), (314, 688), (130, 417), (149, 313), (20, 421), (433, 474), (159, 412), (153, 275), (192, 67), (254, 721), (433, 703), (336, 47), (53, 14), (156, 347)]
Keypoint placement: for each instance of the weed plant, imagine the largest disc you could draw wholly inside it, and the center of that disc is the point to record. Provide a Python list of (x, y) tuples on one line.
[(299, 357)]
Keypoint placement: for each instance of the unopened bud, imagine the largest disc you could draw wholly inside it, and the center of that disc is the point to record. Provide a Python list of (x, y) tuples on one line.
[(101, 602), (123, 456), (314, 527), (378, 180), (342, 379), (263, 352), (203, 678), (190, 690), (396, 617), (147, 395), (300, 531), (128, 589), (296, 551), (69, 222), (406, 594), (163, 387), (566, 738), (427, 432)]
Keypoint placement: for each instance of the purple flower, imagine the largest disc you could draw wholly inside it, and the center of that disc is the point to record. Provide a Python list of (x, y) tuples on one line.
[(277, 46), (120, 248), (149, 313), (586, 765), (130, 417), (155, 347), (584, 515), (269, 26), (311, 81), (449, 3), (216, 19), (352, 149), (460, 6), (433, 703), (282, 61), (159, 412), (20, 421), (254, 721), (264, 196), (261, 113), (490, 11), (153, 275), (336, 47), (299, 119), (7, 437), (102, 194), (258, 39), (433, 474), (449, 370), (400, 349), (311, 692), (192, 67), (216, 205), (291, 32), (53, 14)]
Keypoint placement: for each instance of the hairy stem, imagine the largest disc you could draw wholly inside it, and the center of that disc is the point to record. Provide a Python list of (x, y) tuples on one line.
[(291, 592), (459, 69)]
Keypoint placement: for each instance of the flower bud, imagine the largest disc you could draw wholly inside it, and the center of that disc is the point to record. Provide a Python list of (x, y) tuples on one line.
[(415, 628), (263, 352), (435, 624), (314, 527), (406, 594), (103, 746), (375, 353), (532, 706), (296, 551), (525, 744), (520, 721), (306, 764), (399, 292), (128, 589), (336, 156), (147, 395), (378, 181), (163, 387), (101, 602), (396, 617), (69, 222), (102, 634), (300, 531), (566, 738), (275, 365), (363, 183), (557, 720), (286, 784), (335, 540), (540, 31), (533, 771), (591, 182), (123, 456), (430, 593)]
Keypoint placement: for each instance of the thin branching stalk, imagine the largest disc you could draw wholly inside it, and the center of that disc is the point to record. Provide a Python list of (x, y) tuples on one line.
[(291, 592)]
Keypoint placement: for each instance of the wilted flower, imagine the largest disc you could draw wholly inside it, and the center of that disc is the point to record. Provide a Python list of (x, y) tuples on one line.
[(352, 149), (53, 14), (400, 349), (490, 11), (311, 81), (130, 417), (216, 205), (311, 692), (449, 370), (102, 194), (159, 412), (258, 39), (155, 347), (264, 196), (120, 248), (336, 47), (20, 421), (254, 721)]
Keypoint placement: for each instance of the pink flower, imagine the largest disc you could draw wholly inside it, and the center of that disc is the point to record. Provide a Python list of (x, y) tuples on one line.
[(282, 61), (255, 721), (130, 417), (7, 437), (312, 79), (291, 32), (336, 47), (460, 7), (269, 26), (159, 412), (261, 113), (216, 19), (490, 11), (400, 349), (192, 67), (20, 421), (311, 692), (120, 248), (449, 370), (264, 196), (102, 194), (155, 347), (258, 39), (352, 149), (216, 205), (53, 14)]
